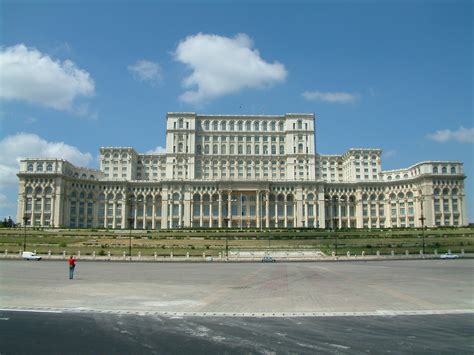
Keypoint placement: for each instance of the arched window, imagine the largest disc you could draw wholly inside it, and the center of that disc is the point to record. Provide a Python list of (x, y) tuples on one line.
[(280, 126), (39, 167), (264, 126), (435, 170), (265, 149), (231, 125), (272, 125), (248, 149), (300, 124), (257, 149), (248, 125), (198, 149), (223, 125), (49, 167), (453, 170), (239, 125), (274, 149), (223, 149), (256, 126), (240, 149), (30, 167), (444, 170), (180, 123), (206, 149), (214, 149), (206, 125), (282, 149), (214, 125)]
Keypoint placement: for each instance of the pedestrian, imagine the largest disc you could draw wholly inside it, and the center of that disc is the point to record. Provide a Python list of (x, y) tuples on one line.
[(72, 265)]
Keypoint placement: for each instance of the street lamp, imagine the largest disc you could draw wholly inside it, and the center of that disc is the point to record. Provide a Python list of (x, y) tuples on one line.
[(422, 219), (25, 220), (130, 223)]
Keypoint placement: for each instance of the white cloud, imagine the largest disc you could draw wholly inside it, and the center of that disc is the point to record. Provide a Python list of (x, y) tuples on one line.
[(331, 97), (5, 203), (222, 65), (462, 135), (27, 74), (157, 150), (389, 153), (144, 70), (27, 145)]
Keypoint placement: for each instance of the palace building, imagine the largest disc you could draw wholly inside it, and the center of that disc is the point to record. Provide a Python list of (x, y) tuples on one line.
[(240, 171)]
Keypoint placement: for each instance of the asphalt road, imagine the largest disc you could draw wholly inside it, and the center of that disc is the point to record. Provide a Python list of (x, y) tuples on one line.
[(91, 333)]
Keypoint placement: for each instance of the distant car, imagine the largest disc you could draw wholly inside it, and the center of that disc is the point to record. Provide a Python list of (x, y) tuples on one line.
[(268, 259), (28, 255), (449, 256)]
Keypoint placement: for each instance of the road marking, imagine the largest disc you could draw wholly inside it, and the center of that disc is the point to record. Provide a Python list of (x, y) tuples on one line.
[(4, 318)]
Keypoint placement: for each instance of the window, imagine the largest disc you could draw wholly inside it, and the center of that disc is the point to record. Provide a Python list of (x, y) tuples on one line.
[(214, 126), (248, 150), (39, 167), (30, 167), (453, 170), (435, 170), (257, 149), (273, 149), (206, 149), (280, 126), (248, 126), (239, 125), (223, 150), (214, 149), (206, 125), (49, 167), (282, 149)]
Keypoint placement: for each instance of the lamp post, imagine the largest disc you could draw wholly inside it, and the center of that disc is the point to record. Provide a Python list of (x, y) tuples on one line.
[(422, 219), (25, 220), (130, 222)]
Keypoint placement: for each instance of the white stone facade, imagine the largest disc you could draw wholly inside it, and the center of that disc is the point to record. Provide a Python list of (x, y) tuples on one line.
[(235, 171)]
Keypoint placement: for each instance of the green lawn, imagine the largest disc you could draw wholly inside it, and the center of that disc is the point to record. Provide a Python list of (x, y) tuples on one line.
[(211, 242)]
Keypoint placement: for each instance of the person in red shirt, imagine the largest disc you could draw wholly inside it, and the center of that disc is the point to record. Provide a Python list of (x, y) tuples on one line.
[(72, 265)]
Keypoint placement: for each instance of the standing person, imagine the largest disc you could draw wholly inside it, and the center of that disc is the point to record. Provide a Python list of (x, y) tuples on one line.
[(72, 265)]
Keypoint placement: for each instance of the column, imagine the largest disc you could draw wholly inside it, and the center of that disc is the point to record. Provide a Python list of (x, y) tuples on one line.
[(106, 208), (135, 214), (211, 205), (276, 211), (229, 208), (451, 217), (144, 212), (267, 209), (200, 211), (285, 212), (114, 209), (339, 209), (53, 205), (42, 211), (180, 214), (258, 212), (322, 211), (164, 211), (219, 224), (153, 218), (306, 217)]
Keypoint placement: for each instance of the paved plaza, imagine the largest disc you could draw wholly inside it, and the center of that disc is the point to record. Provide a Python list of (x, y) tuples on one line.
[(247, 289)]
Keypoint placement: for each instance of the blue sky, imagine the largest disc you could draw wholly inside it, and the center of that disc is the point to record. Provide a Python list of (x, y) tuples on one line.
[(391, 75)]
